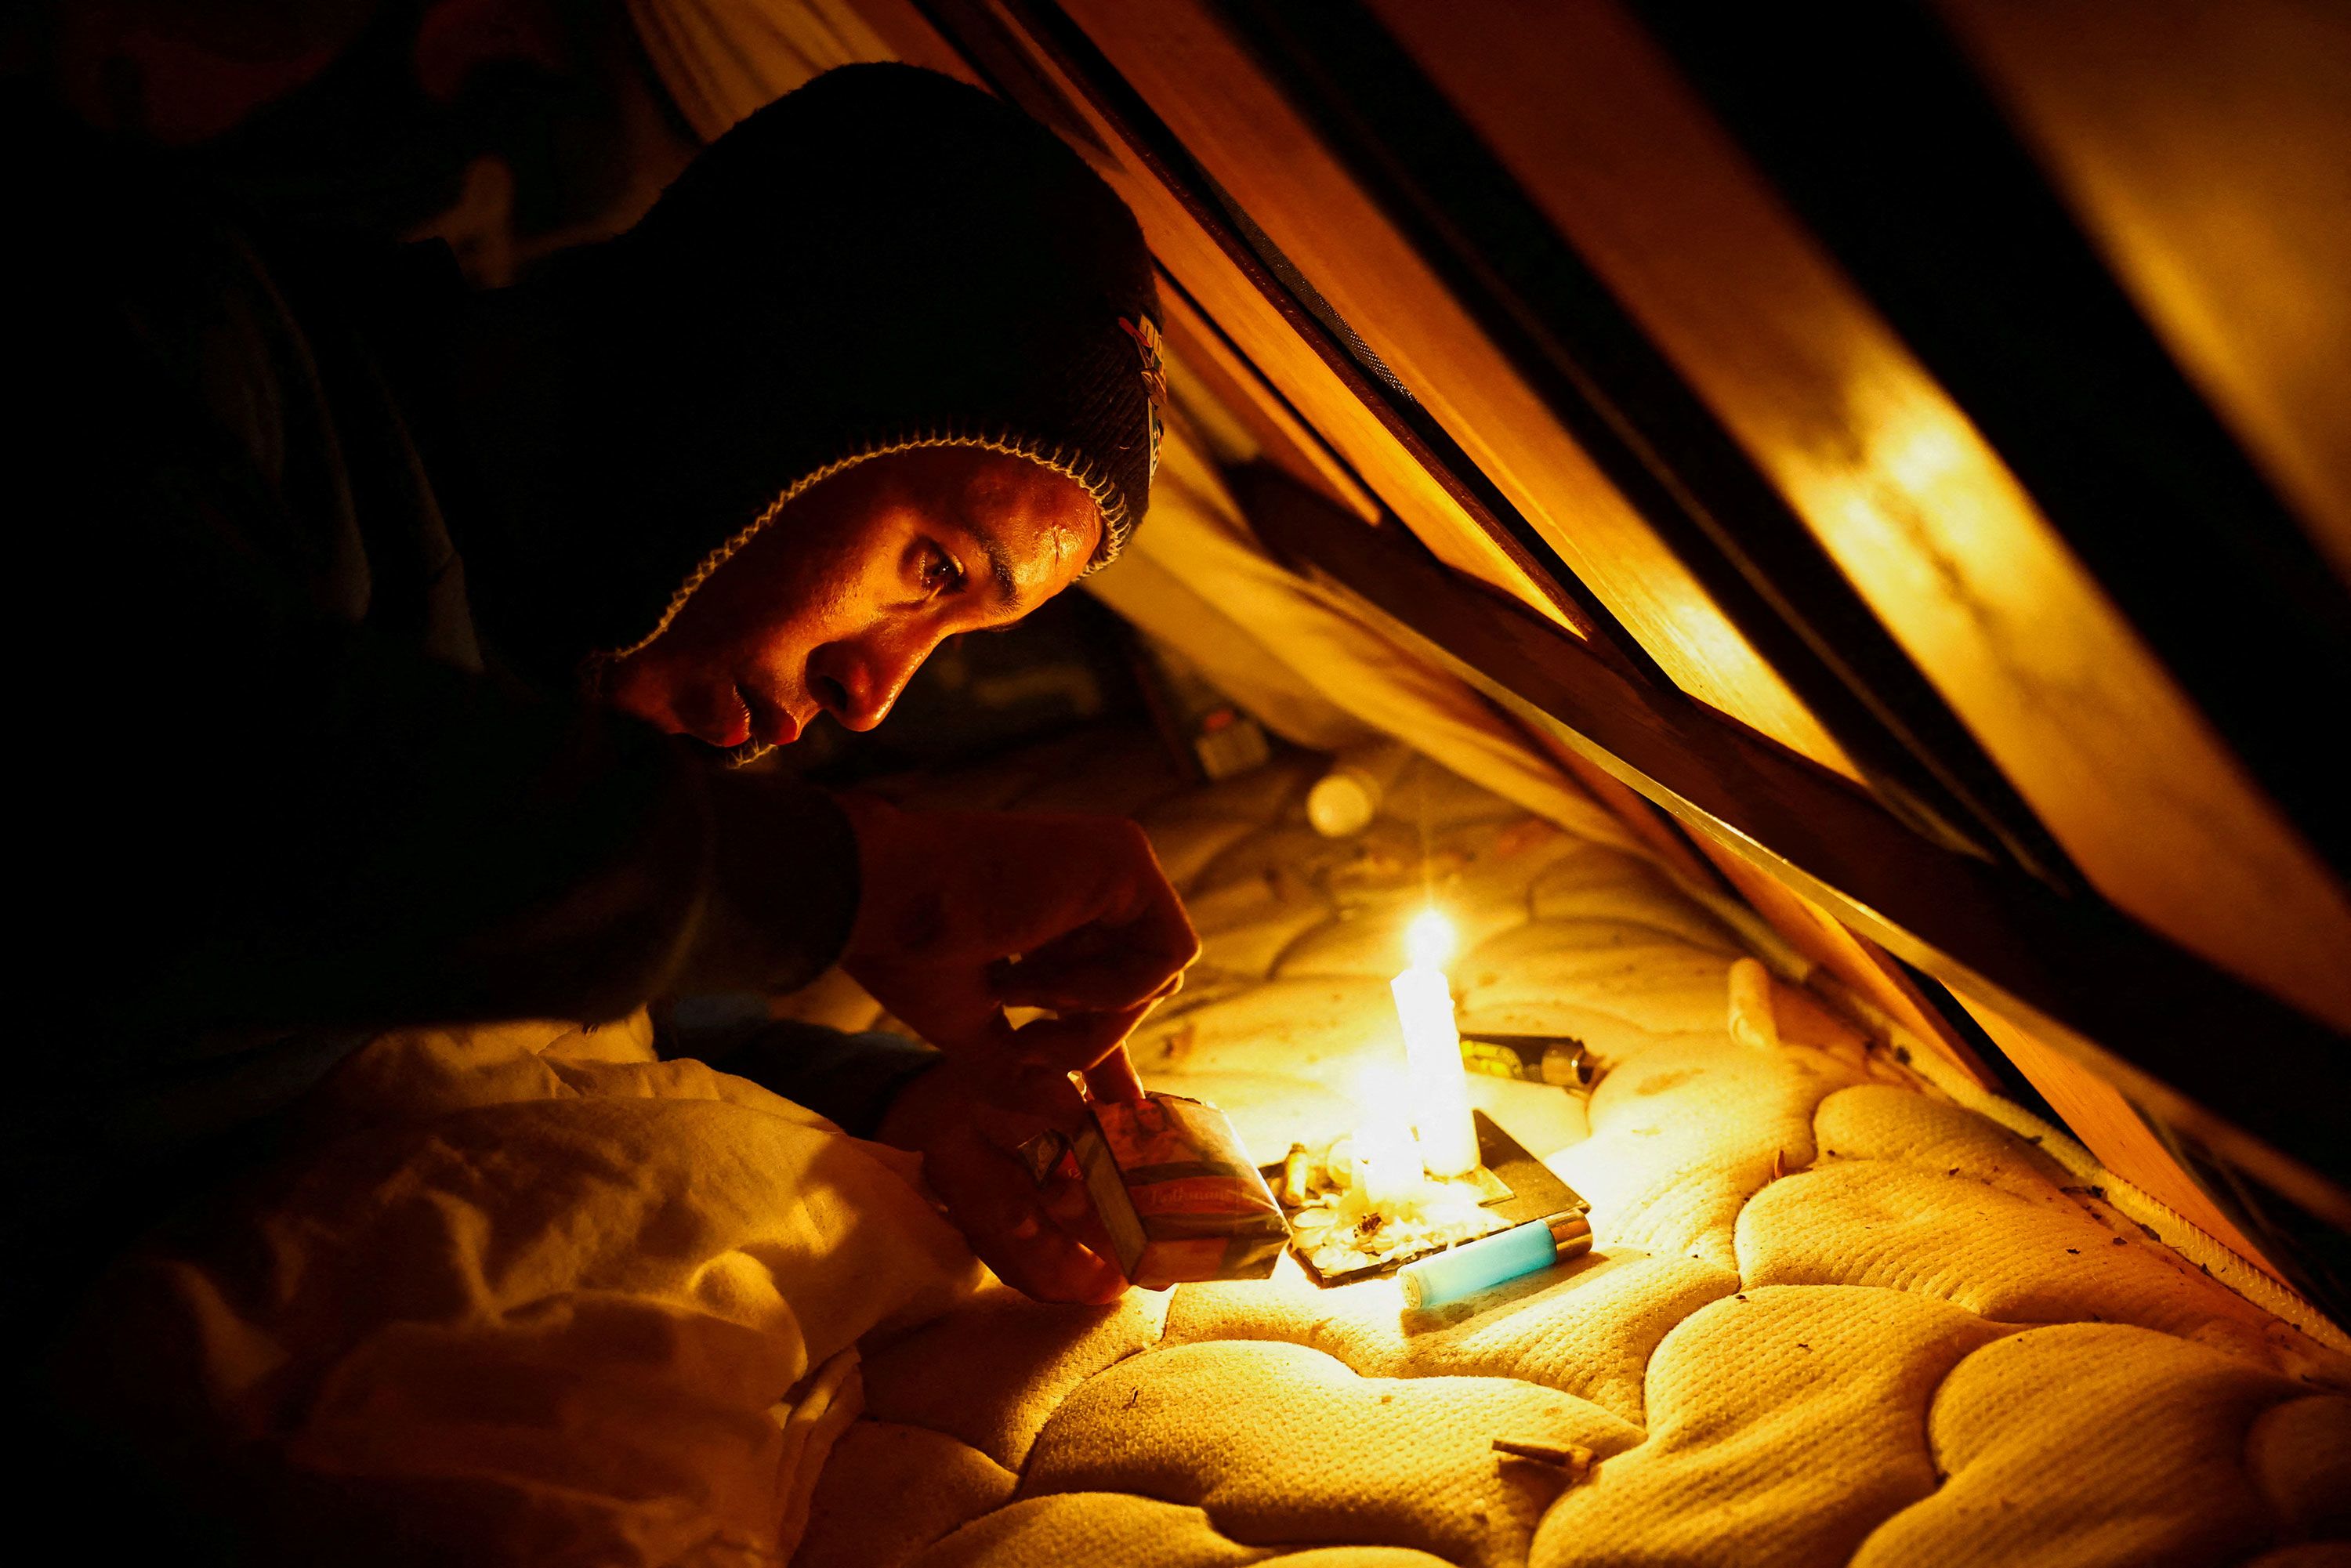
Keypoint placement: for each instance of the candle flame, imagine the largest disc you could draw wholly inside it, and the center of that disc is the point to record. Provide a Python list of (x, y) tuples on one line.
[(1428, 940)]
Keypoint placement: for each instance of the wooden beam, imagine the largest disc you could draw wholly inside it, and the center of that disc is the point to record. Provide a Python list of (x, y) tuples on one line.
[(2093, 1110), (1230, 287), (1229, 116), (1645, 426), (1953, 436), (1855, 961), (2132, 1008), (2107, 1125), (1645, 821), (1284, 439), (2207, 149)]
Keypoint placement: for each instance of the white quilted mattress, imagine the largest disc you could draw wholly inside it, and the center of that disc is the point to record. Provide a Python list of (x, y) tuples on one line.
[(1831, 1316)]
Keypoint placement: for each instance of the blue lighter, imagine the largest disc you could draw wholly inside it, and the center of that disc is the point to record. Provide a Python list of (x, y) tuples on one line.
[(1475, 1266)]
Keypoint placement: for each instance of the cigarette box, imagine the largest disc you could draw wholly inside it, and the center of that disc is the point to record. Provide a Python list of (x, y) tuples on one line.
[(1178, 1194)]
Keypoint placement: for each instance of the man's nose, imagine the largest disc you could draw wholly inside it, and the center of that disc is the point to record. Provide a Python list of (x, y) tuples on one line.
[(858, 684)]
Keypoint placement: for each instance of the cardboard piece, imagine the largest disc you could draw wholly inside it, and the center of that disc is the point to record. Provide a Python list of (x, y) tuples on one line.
[(1178, 1194)]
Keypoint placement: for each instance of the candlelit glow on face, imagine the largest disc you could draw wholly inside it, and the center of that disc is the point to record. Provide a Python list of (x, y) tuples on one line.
[(1428, 940)]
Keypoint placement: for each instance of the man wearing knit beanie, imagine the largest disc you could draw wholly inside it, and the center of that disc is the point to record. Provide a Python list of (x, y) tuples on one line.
[(427, 627)]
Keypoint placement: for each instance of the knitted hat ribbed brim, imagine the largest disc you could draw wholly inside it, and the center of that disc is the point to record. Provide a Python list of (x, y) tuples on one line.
[(883, 260)]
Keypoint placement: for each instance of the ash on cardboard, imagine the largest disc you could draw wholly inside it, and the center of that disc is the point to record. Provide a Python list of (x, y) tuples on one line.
[(1512, 1186), (1178, 1194)]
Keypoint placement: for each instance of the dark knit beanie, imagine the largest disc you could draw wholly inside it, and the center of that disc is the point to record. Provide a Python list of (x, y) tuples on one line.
[(883, 260)]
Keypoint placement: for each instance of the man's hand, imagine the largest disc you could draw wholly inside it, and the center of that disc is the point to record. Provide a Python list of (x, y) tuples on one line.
[(967, 913), (1035, 1240)]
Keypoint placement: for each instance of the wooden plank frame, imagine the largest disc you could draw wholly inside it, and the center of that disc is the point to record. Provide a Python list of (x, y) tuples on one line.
[(2070, 968), (2070, 698), (1286, 441), (1942, 218), (1317, 376), (1194, 102), (2206, 151), (2162, 635), (1645, 426), (2141, 1014)]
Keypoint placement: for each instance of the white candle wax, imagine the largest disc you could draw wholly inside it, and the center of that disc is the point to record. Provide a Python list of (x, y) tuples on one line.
[(1440, 1087), (1387, 1163)]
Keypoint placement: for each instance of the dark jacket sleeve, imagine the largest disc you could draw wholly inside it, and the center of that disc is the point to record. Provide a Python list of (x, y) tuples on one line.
[(849, 1079), (266, 811)]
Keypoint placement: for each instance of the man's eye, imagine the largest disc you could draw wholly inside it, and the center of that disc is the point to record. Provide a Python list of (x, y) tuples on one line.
[(942, 573)]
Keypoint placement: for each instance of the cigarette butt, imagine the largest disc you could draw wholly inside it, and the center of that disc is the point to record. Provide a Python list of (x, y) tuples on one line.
[(1572, 1457), (1751, 1020), (1311, 1220), (1297, 1175)]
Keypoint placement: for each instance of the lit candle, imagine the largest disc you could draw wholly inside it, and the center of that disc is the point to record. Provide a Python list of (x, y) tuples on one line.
[(1432, 1046), (1387, 1162)]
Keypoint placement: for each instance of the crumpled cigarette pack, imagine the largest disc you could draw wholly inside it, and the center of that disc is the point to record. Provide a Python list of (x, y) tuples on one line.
[(1178, 1194)]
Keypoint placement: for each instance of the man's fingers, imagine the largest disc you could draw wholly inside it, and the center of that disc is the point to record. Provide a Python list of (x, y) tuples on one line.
[(1024, 1094), (1104, 964), (995, 1205), (1091, 970), (1076, 1043), (1074, 1209), (1113, 1079)]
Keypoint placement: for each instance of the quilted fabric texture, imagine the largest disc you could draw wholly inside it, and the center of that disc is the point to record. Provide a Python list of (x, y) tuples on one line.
[(1830, 1317)]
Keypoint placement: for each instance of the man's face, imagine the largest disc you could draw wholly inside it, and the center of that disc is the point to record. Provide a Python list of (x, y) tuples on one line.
[(836, 604)]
